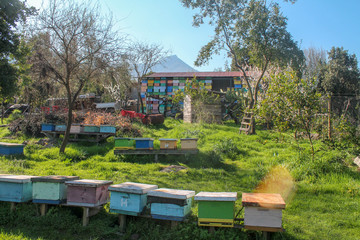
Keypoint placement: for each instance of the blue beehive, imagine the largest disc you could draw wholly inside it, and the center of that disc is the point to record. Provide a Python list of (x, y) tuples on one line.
[(170, 204), (129, 198), (47, 127), (11, 148), (15, 188), (238, 85), (107, 129), (144, 143), (60, 128)]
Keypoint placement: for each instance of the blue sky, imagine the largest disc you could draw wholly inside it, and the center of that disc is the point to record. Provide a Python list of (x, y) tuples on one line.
[(313, 23)]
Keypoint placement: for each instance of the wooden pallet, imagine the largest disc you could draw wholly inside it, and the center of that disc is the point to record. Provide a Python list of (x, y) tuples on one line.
[(155, 152)]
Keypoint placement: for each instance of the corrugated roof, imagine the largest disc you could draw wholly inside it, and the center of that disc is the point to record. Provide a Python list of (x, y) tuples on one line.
[(197, 74)]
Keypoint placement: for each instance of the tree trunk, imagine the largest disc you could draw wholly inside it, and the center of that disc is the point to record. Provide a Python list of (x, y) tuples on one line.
[(141, 103), (329, 118), (2, 112), (68, 126)]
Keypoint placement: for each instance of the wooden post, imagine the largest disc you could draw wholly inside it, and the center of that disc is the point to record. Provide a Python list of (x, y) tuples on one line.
[(85, 219), (174, 224), (211, 229), (156, 158), (122, 223), (12, 206), (43, 209), (266, 235), (329, 118)]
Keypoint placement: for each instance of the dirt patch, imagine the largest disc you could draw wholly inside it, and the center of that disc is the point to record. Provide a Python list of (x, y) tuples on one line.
[(173, 168)]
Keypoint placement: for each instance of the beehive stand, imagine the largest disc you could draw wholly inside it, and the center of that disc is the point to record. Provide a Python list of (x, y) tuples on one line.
[(156, 153)]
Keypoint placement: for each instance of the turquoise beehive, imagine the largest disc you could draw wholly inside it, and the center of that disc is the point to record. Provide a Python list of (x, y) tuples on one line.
[(129, 198), (170, 204), (15, 188)]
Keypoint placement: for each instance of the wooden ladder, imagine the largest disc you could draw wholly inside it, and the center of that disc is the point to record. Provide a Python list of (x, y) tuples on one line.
[(246, 123)]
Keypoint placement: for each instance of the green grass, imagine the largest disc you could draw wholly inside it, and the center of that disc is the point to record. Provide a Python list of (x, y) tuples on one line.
[(324, 203)]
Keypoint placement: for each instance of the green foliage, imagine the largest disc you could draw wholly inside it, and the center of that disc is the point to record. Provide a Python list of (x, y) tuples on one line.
[(227, 147), (16, 114)]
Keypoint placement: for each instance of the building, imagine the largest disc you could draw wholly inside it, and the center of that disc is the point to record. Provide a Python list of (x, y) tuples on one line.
[(156, 86)]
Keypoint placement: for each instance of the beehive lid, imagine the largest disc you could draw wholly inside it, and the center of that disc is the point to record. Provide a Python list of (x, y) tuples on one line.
[(15, 178), (265, 200), (88, 183), (171, 193), (216, 196), (11, 144), (54, 179), (184, 139), (167, 139), (144, 139), (131, 187)]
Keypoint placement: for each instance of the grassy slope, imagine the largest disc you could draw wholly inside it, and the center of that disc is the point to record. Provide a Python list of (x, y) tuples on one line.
[(324, 206)]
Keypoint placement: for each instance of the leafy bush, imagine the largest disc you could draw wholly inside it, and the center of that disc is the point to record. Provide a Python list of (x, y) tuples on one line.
[(227, 147)]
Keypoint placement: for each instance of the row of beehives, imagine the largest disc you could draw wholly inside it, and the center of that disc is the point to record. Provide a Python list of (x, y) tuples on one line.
[(78, 128), (214, 208), (148, 143)]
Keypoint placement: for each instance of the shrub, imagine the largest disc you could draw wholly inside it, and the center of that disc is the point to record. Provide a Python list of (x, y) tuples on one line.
[(227, 147)]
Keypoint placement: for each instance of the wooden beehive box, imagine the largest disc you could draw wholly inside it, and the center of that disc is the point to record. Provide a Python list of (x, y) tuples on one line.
[(11, 148), (107, 129), (168, 143), (47, 127), (263, 211), (50, 189), (144, 143), (15, 188), (189, 143), (87, 193), (216, 209), (76, 128), (129, 198), (170, 204), (91, 128), (60, 128), (124, 143)]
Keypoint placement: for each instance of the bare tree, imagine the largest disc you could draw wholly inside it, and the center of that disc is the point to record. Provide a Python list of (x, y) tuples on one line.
[(78, 43), (142, 57)]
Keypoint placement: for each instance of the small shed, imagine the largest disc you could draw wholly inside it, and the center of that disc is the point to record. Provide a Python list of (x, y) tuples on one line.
[(170, 204), (50, 189), (216, 209), (129, 198), (15, 188), (263, 211), (87, 193)]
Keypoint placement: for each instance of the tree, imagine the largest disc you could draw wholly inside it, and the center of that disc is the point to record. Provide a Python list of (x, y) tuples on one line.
[(254, 34), (315, 60), (12, 12), (142, 57), (292, 102), (77, 42)]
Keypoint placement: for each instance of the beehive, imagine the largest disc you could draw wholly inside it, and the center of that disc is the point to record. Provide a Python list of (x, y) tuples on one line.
[(50, 189), (11, 148), (107, 129), (91, 128), (87, 193), (168, 143), (76, 128), (47, 127), (129, 198), (124, 143), (189, 143), (144, 143), (60, 128), (15, 188), (263, 211), (170, 204), (216, 209)]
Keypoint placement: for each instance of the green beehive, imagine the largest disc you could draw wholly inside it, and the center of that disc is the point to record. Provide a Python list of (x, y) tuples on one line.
[(216, 209), (124, 143)]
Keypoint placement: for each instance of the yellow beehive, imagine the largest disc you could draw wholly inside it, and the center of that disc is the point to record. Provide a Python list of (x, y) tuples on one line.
[(168, 143)]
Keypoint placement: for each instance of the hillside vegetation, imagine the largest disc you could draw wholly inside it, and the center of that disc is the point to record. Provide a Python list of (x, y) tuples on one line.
[(322, 194)]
